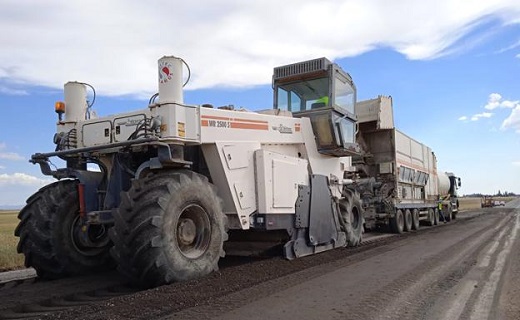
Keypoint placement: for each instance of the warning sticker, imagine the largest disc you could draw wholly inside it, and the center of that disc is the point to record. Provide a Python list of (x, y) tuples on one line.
[(180, 129)]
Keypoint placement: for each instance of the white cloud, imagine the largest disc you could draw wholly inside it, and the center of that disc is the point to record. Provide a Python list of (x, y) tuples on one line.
[(516, 163), (114, 44), (22, 179), (495, 101), (510, 47), (9, 155), (2, 167), (481, 115), (13, 92), (513, 121), (463, 118)]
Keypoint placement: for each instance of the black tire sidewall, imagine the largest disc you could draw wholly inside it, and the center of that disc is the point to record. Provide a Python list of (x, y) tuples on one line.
[(76, 262), (407, 220), (415, 219), (184, 195)]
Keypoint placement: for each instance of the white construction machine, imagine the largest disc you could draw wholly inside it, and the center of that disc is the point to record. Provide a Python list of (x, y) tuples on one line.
[(176, 179)]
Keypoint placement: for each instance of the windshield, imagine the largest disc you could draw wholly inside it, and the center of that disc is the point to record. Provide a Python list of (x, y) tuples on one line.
[(301, 96)]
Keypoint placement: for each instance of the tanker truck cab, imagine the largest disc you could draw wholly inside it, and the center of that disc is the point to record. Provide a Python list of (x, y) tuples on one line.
[(322, 91)]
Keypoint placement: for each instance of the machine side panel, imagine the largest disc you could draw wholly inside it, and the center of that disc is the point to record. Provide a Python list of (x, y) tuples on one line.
[(231, 166), (277, 180)]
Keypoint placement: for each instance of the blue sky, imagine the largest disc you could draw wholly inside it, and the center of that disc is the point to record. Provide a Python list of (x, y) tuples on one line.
[(452, 68)]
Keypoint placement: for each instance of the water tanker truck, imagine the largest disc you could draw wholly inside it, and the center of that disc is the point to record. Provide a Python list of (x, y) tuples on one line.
[(396, 175)]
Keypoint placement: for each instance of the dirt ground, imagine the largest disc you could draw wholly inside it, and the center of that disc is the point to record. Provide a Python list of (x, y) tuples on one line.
[(466, 269), (469, 269)]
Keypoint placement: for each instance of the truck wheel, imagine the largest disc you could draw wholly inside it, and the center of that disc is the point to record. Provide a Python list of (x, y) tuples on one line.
[(169, 227), (397, 223), (52, 238), (436, 215), (415, 219), (431, 217), (407, 220), (351, 218), (449, 214)]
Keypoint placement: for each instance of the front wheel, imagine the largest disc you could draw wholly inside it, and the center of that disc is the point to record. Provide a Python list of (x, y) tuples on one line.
[(431, 217), (169, 227), (351, 217), (53, 239)]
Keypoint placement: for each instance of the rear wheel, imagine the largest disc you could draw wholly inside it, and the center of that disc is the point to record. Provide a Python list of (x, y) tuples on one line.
[(169, 227), (53, 239), (397, 223), (415, 219), (407, 220)]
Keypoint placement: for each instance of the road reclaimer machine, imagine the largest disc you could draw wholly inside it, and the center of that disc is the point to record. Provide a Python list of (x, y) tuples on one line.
[(158, 191), (396, 175)]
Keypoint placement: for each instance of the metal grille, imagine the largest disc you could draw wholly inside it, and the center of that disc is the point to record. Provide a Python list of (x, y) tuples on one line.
[(301, 68)]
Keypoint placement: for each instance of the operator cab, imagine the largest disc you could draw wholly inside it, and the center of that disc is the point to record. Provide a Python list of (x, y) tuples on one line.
[(322, 91)]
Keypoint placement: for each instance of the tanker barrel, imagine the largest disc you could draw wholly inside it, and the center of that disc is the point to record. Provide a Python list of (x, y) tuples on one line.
[(444, 184)]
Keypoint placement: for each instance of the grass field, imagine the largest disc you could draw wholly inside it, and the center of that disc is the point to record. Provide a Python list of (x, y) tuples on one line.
[(469, 203), (9, 258), (474, 203)]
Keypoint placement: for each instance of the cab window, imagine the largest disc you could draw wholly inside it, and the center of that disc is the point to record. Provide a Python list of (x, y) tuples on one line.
[(345, 97)]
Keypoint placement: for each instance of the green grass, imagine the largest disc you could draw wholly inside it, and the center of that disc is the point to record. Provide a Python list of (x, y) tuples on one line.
[(9, 258)]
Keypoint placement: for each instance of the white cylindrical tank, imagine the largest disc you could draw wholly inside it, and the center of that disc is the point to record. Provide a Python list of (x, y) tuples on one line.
[(75, 101), (444, 184), (170, 80)]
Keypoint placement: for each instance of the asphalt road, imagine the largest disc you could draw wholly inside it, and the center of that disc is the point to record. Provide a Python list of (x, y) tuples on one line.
[(465, 270)]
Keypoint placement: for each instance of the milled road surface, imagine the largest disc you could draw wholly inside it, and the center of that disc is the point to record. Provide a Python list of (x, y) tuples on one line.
[(461, 271), (468, 269)]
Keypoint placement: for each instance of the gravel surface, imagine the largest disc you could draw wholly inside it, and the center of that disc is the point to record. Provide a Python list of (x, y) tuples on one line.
[(432, 274)]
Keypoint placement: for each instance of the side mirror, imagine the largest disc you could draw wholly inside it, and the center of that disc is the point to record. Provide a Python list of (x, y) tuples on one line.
[(458, 180)]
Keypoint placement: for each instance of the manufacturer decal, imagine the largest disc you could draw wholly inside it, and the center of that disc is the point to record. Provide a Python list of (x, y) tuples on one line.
[(129, 122), (282, 129), (165, 71)]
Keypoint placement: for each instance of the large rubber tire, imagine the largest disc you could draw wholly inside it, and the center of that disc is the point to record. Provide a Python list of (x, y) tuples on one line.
[(436, 216), (415, 219), (456, 212), (407, 220), (48, 231), (397, 223), (352, 217), (431, 217), (448, 214), (169, 227)]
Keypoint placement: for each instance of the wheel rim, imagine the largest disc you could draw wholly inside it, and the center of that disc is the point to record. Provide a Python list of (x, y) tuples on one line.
[(89, 240), (193, 231)]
